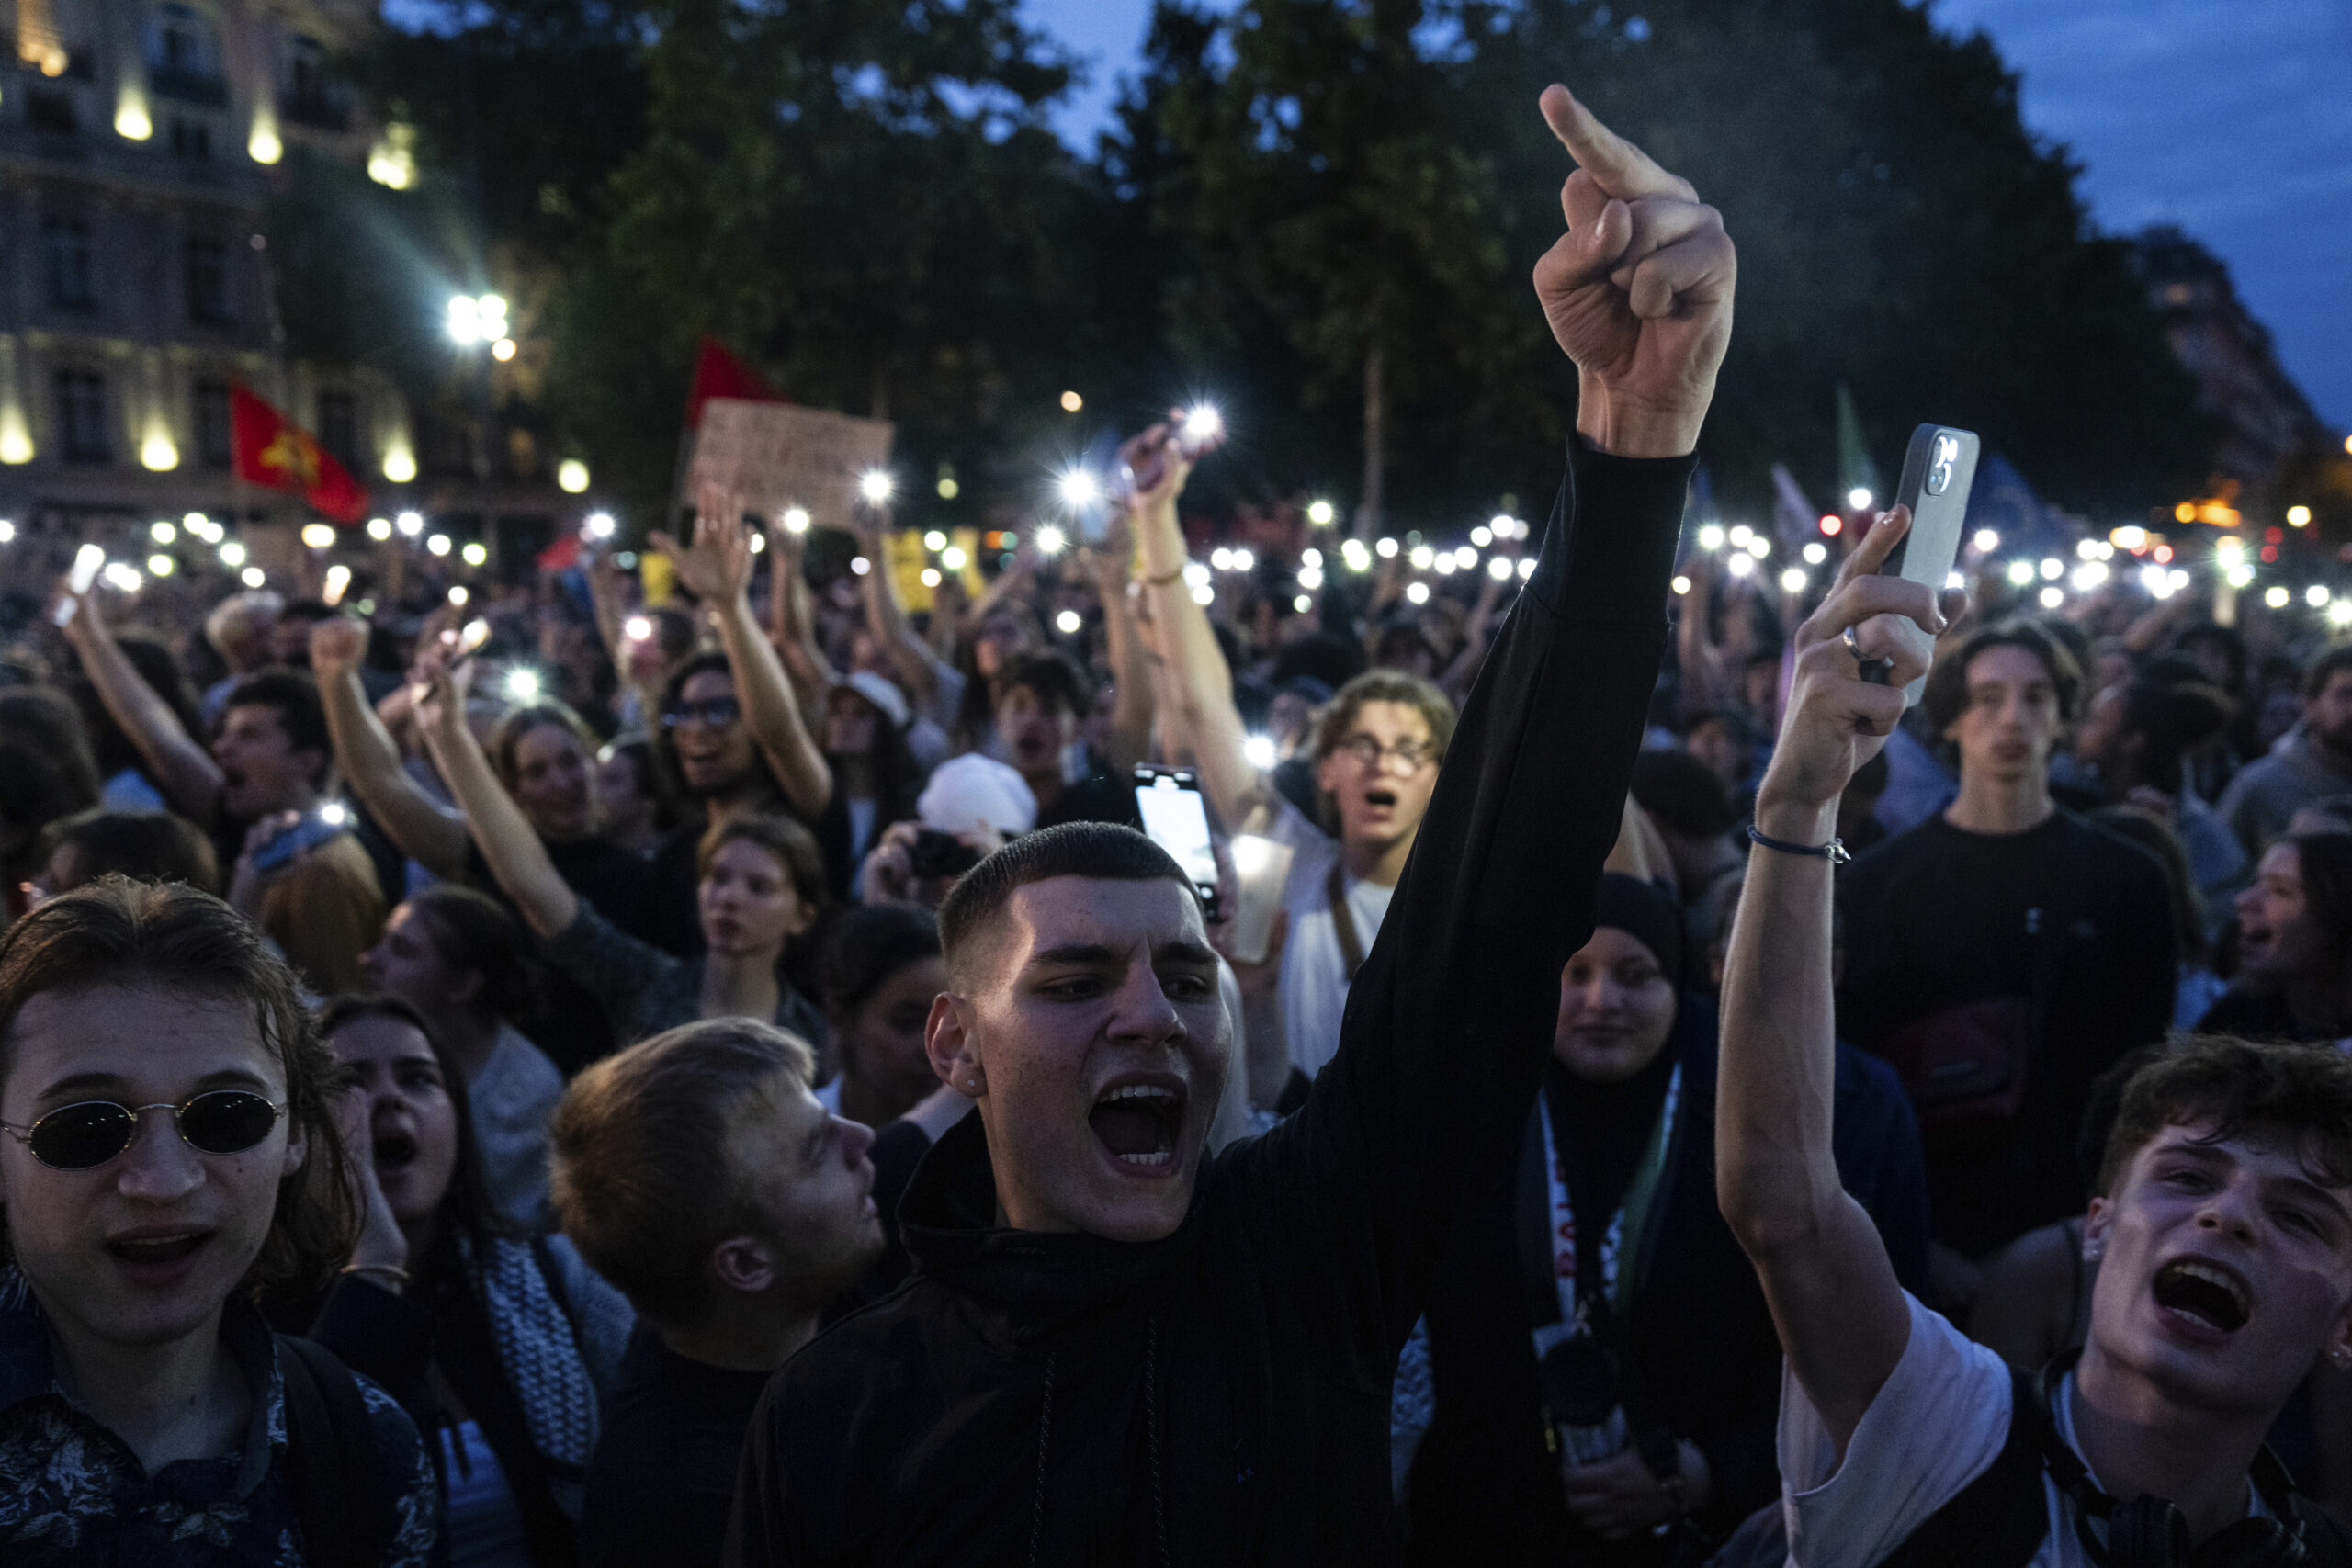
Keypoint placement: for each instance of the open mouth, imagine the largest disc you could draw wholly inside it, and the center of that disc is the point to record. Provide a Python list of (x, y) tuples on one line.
[(1139, 1123), (394, 1152), (159, 1250), (2212, 1296), (1385, 799)]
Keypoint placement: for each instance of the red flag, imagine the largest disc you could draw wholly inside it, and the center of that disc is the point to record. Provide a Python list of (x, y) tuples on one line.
[(273, 450), (719, 374)]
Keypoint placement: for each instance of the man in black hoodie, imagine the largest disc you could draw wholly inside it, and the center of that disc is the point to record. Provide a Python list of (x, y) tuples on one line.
[(1114, 1350)]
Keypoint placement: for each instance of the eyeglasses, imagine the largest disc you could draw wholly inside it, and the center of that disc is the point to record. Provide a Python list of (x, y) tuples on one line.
[(1413, 754), (717, 713), (87, 1134)]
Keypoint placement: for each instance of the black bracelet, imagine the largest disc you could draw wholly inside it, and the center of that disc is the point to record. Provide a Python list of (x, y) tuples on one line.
[(1834, 851)]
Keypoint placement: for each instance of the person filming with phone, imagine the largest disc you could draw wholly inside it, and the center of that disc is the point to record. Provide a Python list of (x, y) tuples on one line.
[(2222, 1219)]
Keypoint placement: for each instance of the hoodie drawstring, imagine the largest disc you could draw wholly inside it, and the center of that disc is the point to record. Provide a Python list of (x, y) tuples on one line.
[(1151, 1426), (1045, 1442)]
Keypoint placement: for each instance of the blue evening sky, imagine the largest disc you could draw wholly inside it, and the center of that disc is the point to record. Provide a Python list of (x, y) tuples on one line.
[(2230, 118)]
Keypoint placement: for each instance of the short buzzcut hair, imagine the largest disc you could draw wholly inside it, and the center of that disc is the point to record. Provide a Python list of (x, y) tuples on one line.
[(2297, 1094), (1105, 851), (641, 1179), (1946, 697)]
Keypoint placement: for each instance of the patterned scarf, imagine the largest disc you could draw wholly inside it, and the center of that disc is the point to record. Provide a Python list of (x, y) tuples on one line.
[(541, 1355)]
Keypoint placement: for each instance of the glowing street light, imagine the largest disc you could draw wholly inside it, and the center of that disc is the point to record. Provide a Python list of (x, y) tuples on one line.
[(2299, 516), (474, 555), (876, 486), (1321, 513), (571, 475)]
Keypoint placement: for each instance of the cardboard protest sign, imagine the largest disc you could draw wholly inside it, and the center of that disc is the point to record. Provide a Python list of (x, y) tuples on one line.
[(777, 456)]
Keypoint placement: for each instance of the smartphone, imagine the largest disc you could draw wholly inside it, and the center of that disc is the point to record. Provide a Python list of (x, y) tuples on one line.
[(1177, 818), (1199, 431), (316, 827), (86, 562), (1261, 870), (936, 854), (1939, 471)]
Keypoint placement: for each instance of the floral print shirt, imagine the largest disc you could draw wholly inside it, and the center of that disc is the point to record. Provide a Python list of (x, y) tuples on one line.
[(72, 1493)]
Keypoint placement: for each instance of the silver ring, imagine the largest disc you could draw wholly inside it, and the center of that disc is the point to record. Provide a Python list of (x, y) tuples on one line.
[(1874, 671)]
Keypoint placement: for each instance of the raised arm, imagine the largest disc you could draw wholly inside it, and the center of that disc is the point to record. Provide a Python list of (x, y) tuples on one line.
[(191, 779), (369, 758), (791, 622), (518, 861), (1449, 1019), (718, 569), (1840, 1314), (885, 618), (1129, 738), (1193, 674)]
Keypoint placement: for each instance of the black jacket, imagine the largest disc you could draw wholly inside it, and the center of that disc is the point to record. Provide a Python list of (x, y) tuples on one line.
[(1222, 1395)]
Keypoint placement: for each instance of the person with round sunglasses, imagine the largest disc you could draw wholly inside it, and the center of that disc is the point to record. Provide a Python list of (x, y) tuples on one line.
[(500, 1344), (168, 1150)]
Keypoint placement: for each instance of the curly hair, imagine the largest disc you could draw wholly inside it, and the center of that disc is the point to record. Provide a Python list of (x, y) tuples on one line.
[(115, 931), (2296, 1093)]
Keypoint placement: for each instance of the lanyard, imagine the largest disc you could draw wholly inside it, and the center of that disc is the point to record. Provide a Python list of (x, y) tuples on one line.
[(1616, 1276)]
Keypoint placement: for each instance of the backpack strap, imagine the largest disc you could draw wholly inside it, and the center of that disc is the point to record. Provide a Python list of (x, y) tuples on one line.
[(335, 1470), (2000, 1519)]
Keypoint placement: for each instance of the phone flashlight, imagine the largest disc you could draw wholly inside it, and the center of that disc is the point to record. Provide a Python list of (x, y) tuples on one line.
[(338, 583), (637, 628), (1202, 425)]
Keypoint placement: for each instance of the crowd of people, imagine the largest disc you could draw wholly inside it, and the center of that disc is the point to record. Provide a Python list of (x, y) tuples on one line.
[(703, 1066)]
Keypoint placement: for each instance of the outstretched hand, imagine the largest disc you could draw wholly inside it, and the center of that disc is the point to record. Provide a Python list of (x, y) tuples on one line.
[(1837, 720), (1638, 291), (717, 568)]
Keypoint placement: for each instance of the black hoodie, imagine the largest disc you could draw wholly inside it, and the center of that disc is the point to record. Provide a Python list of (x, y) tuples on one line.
[(1222, 1395)]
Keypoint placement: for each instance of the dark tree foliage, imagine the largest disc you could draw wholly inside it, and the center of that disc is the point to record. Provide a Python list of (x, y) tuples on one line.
[(865, 198)]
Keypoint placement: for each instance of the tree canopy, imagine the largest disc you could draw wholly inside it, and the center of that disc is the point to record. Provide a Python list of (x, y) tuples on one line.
[(1322, 211)]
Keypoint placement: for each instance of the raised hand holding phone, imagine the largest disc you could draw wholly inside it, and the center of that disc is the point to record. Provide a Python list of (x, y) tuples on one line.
[(1838, 718)]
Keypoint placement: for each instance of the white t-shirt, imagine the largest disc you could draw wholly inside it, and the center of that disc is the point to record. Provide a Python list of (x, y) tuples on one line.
[(1314, 986), (1936, 1426)]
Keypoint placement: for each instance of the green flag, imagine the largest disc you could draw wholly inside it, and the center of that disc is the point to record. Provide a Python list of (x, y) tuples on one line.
[(1855, 470)]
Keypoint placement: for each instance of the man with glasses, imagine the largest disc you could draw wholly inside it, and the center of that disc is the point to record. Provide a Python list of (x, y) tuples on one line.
[(169, 1149), (1376, 749)]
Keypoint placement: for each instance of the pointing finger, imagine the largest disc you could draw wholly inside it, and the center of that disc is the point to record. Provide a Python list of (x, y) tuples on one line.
[(1621, 168)]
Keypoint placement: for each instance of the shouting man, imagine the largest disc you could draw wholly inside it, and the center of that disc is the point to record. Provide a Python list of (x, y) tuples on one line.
[(1114, 1348)]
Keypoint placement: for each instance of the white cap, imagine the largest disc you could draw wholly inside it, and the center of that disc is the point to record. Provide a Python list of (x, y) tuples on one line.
[(877, 690), (972, 791)]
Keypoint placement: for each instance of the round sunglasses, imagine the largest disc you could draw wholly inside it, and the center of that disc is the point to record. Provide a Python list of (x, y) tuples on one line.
[(87, 1134)]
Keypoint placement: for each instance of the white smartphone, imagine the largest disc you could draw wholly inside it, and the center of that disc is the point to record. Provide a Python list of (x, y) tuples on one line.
[(1938, 472), (86, 562), (1261, 868), (1177, 818)]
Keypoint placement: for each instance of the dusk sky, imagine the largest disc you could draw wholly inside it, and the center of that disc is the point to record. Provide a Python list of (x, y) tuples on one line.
[(2230, 118)]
